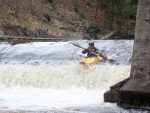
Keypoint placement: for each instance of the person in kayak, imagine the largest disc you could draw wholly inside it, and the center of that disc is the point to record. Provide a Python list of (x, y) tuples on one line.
[(93, 51)]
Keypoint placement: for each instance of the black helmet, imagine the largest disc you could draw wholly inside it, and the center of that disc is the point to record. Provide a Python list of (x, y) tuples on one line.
[(91, 43)]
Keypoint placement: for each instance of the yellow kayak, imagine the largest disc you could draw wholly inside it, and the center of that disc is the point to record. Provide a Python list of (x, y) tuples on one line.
[(93, 60)]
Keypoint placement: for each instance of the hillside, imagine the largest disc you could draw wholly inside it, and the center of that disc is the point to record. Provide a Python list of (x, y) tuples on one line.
[(46, 18)]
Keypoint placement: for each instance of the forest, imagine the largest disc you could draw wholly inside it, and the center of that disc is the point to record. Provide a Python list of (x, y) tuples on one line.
[(68, 18)]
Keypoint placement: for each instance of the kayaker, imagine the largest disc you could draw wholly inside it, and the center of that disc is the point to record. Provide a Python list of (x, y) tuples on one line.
[(93, 51)]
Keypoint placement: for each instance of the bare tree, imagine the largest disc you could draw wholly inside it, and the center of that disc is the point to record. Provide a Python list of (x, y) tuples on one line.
[(17, 8), (55, 1), (96, 10), (64, 5), (31, 7), (76, 5)]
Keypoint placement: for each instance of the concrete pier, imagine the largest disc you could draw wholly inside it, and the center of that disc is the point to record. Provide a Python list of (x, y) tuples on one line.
[(134, 92)]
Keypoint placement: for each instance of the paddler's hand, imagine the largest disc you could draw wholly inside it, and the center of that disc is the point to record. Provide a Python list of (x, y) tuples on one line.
[(101, 55), (85, 51)]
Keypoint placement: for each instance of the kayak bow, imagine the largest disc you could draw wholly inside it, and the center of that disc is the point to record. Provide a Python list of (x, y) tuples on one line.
[(93, 60)]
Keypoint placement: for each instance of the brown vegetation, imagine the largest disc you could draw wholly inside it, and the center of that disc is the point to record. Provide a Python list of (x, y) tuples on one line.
[(28, 17)]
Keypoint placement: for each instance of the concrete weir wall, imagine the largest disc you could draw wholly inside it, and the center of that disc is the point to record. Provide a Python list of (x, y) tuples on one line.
[(134, 92)]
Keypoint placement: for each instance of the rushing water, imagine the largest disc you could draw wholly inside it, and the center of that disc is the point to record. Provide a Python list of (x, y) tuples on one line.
[(46, 77)]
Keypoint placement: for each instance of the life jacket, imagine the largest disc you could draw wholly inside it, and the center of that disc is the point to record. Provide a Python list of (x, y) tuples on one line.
[(90, 52)]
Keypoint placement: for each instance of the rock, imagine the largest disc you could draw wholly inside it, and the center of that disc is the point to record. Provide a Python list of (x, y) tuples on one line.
[(90, 36), (1, 33), (15, 30), (46, 17), (108, 96), (50, 1), (39, 33), (93, 29), (57, 23)]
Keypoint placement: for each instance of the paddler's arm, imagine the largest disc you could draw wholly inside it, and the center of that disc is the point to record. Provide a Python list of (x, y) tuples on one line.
[(101, 54), (85, 51)]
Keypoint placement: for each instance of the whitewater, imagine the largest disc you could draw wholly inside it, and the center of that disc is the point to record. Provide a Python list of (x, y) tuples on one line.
[(46, 77)]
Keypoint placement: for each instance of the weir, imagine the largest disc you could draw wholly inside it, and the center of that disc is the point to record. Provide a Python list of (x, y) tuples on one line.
[(134, 92)]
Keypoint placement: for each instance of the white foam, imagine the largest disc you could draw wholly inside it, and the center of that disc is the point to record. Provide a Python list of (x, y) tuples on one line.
[(65, 88), (63, 76), (63, 52), (28, 87)]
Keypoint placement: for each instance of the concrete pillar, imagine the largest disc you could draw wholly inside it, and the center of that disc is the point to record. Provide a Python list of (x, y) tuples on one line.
[(141, 52), (134, 92)]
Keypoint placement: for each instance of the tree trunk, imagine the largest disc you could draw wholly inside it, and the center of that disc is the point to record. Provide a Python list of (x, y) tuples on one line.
[(41, 5), (121, 17), (55, 2), (127, 21), (126, 32), (109, 35), (89, 2), (17, 8), (31, 7), (111, 16), (96, 11), (76, 5), (64, 5)]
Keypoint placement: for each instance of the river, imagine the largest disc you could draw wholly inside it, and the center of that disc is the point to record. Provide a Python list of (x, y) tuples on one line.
[(46, 77)]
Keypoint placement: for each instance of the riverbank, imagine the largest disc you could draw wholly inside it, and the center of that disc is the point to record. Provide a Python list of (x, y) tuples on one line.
[(62, 20)]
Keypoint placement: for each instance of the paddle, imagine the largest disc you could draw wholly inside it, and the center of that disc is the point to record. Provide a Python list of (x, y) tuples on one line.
[(101, 55), (77, 45), (82, 48)]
